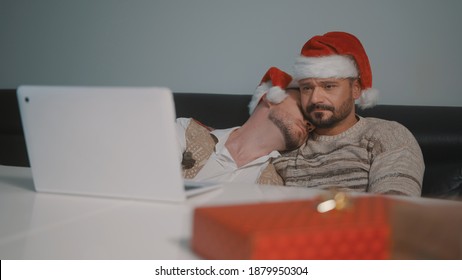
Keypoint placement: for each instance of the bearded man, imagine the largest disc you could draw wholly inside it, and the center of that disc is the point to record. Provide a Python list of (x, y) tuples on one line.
[(346, 151)]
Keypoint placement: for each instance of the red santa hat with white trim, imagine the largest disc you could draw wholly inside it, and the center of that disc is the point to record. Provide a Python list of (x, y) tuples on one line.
[(274, 84), (337, 55)]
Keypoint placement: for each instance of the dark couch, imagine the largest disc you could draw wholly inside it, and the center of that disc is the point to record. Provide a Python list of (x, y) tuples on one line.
[(437, 129)]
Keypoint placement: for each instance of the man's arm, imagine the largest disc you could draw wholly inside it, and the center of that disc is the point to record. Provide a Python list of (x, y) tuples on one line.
[(398, 167)]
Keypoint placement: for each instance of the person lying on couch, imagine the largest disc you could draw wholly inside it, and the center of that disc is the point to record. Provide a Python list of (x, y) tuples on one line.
[(244, 154), (345, 150)]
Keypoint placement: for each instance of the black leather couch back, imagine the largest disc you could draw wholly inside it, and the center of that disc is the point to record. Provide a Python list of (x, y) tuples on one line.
[(215, 110), (437, 129)]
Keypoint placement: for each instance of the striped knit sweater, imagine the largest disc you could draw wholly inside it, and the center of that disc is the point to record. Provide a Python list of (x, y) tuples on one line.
[(374, 155)]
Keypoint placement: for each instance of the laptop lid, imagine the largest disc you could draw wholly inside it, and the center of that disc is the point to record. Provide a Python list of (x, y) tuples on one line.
[(102, 141)]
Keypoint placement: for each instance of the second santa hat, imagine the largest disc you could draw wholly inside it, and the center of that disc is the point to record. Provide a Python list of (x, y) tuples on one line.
[(274, 83)]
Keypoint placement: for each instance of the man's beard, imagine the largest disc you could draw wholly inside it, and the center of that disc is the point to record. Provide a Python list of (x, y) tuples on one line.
[(337, 115), (285, 126)]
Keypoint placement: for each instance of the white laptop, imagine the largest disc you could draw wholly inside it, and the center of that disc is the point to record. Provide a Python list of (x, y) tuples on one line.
[(102, 141)]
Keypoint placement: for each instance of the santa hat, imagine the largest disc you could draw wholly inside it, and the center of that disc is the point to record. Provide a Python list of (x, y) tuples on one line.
[(274, 83), (337, 55)]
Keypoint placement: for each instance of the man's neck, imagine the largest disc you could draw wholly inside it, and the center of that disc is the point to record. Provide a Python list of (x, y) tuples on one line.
[(254, 140)]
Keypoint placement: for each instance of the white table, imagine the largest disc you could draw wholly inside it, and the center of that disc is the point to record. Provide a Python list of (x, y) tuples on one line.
[(52, 226)]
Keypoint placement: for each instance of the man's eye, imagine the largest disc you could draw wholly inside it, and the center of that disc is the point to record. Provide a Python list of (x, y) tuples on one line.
[(329, 86)]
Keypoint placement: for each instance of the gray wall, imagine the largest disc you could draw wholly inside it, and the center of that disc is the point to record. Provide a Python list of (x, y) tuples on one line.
[(226, 46)]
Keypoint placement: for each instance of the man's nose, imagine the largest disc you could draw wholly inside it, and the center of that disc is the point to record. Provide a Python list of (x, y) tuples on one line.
[(317, 96)]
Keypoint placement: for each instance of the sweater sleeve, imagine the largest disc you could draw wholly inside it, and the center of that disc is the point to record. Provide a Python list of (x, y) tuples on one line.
[(397, 162)]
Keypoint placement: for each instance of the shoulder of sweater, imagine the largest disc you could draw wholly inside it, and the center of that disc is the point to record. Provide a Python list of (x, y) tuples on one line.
[(389, 133), (382, 125)]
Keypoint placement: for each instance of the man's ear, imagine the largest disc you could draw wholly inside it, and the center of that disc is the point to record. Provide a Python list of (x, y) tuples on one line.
[(356, 89), (309, 126)]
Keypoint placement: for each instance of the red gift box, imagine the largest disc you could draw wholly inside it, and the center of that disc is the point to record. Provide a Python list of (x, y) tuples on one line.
[(293, 230)]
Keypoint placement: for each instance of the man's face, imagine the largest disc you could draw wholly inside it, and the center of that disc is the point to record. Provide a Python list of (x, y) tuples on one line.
[(288, 117), (327, 102)]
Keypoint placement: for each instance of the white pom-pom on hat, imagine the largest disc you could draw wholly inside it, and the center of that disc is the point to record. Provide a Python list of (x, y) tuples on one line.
[(368, 98)]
